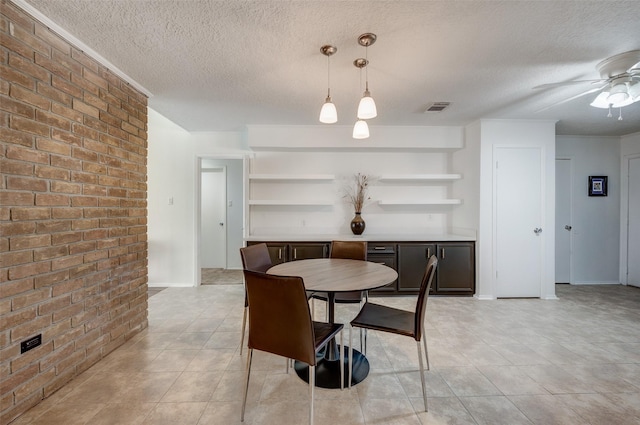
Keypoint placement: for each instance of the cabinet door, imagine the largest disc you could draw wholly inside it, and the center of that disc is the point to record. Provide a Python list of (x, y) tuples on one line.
[(278, 252), (390, 261), (412, 261), (304, 251), (456, 268)]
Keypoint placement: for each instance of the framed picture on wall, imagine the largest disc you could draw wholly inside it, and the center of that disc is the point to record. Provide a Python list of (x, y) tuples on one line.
[(597, 185)]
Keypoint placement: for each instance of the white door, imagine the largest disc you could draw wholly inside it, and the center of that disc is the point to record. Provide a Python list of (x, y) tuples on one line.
[(633, 238), (563, 221), (213, 217), (518, 221)]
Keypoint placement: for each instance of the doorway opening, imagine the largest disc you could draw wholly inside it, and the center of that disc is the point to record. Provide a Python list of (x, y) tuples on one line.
[(220, 220)]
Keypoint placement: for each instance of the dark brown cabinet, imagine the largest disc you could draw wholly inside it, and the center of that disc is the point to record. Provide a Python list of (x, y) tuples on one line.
[(412, 261), (281, 252), (305, 251), (383, 253), (455, 274), (456, 268)]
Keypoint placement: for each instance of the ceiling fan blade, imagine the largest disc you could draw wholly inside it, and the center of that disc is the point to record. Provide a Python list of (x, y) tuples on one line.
[(567, 83), (571, 98)]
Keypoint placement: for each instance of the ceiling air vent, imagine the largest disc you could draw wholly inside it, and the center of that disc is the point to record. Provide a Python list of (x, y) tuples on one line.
[(437, 107)]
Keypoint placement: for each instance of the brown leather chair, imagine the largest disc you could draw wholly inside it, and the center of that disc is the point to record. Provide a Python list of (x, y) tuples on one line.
[(350, 250), (388, 319), (255, 258), (280, 323)]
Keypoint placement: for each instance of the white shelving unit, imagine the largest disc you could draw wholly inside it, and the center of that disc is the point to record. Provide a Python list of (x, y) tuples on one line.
[(291, 178), (419, 177), (423, 202), (273, 202)]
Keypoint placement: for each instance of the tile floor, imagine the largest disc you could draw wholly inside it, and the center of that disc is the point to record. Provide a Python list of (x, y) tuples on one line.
[(575, 360)]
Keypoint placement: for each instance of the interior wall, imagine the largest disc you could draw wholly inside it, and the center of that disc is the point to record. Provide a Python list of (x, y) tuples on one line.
[(495, 133), (234, 207), (596, 220), (73, 250), (173, 173), (629, 148)]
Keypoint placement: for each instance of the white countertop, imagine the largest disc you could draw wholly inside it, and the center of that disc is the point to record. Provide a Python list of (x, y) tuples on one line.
[(369, 237)]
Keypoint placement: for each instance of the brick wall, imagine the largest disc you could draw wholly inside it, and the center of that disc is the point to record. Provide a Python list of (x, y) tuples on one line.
[(73, 250)]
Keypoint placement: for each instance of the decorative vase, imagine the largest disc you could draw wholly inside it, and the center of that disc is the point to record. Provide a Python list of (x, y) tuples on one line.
[(357, 224)]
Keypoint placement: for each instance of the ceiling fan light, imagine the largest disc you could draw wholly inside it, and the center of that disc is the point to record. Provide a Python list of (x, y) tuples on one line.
[(618, 94), (361, 130), (328, 113), (601, 100), (367, 107)]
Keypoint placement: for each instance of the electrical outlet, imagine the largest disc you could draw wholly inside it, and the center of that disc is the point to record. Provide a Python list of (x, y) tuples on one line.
[(30, 344)]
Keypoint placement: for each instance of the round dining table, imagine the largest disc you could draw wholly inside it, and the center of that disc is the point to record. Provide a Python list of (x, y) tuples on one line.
[(333, 275)]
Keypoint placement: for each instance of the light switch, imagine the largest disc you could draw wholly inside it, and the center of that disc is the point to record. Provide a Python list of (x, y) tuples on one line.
[(229, 203), (170, 200)]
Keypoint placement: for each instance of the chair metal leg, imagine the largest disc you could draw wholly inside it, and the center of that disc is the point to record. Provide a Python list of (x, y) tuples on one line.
[(424, 387), (426, 352), (312, 385), (246, 388), (350, 356), (341, 360), (244, 325), (287, 366)]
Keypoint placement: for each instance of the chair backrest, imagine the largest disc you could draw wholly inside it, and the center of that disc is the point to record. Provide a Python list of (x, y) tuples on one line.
[(351, 250), (256, 257), (423, 295), (279, 317)]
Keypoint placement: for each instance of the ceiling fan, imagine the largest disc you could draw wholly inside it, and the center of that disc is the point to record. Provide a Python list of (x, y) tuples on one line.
[(619, 83)]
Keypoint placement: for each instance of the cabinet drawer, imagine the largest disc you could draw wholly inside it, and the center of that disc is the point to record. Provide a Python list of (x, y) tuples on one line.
[(389, 261)]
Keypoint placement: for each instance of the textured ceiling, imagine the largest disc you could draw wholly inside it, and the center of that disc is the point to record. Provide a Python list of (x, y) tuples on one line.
[(221, 65)]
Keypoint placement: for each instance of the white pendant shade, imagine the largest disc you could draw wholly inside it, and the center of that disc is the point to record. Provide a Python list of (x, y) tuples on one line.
[(367, 107), (361, 130), (328, 113), (603, 101)]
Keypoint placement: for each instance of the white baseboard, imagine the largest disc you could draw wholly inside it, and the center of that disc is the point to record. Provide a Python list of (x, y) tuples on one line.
[(595, 283)]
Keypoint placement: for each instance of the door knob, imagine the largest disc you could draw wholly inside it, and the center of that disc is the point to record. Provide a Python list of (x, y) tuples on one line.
[(567, 227), (537, 230), (221, 224)]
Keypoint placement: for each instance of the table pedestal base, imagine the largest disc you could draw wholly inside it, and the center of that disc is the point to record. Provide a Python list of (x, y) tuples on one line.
[(328, 371)]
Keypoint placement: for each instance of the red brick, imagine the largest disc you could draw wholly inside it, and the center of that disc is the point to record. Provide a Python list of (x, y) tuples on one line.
[(55, 172), (50, 252), (48, 199), (58, 98), (33, 297), (16, 107), (8, 289), (14, 76), (50, 278), (26, 183), (53, 120), (29, 126), (27, 270), (54, 67), (86, 108), (30, 97), (52, 146), (9, 259), (51, 39), (15, 137), (29, 68), (53, 305), (31, 241)]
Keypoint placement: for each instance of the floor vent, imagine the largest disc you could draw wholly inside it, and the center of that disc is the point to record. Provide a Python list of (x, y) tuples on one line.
[(437, 107)]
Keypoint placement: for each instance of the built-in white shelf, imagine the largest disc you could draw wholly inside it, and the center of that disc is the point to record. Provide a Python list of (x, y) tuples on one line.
[(423, 202), (419, 177), (323, 203), (292, 177)]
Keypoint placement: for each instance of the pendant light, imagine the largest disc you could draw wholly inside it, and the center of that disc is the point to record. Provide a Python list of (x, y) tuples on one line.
[(361, 128), (367, 107), (328, 113)]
